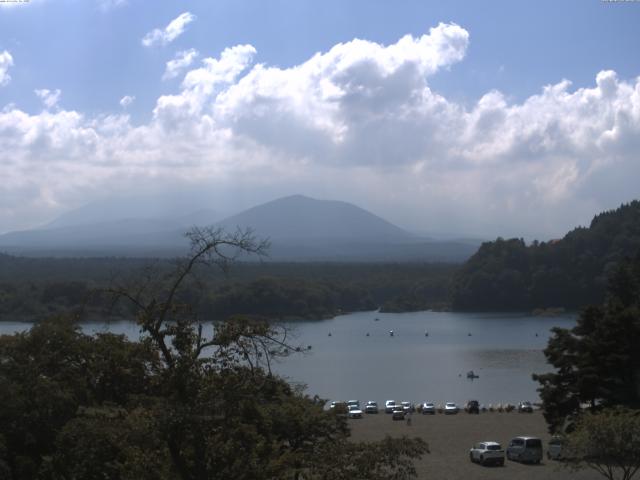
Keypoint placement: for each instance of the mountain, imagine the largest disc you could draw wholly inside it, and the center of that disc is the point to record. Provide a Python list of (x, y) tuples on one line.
[(570, 272), (298, 217), (299, 228)]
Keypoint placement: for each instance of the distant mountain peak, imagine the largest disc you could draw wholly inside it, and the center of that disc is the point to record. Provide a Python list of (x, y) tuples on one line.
[(298, 216)]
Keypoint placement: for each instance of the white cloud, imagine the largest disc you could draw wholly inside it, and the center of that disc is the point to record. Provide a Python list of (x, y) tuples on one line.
[(172, 31), (6, 61), (358, 122), (49, 98), (179, 63), (127, 100)]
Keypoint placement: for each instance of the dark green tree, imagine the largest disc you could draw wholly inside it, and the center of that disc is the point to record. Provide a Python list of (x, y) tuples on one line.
[(177, 404), (598, 361)]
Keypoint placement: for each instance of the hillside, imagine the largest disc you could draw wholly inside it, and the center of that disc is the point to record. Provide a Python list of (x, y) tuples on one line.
[(298, 217), (300, 229), (570, 272)]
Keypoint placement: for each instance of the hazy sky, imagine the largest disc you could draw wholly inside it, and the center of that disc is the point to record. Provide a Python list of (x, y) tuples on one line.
[(482, 117)]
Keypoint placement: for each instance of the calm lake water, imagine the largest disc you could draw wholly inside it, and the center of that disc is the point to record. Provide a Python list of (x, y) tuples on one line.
[(503, 349)]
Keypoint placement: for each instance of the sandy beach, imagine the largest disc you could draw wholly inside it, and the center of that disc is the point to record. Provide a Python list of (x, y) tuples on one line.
[(451, 436)]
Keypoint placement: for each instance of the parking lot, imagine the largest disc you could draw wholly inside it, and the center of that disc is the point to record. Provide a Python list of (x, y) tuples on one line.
[(451, 436)]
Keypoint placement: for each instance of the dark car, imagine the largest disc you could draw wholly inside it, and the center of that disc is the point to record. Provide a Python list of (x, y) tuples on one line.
[(525, 407), (472, 406)]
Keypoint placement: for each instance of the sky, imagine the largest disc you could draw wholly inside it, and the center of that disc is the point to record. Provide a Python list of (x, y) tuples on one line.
[(471, 118)]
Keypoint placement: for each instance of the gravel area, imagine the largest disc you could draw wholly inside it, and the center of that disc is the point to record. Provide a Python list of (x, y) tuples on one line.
[(451, 436)]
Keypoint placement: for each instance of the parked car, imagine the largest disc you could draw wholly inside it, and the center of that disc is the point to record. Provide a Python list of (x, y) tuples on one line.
[(525, 449), (487, 453), (428, 408), (371, 407), (554, 449), (525, 407), (389, 405), (408, 407), (472, 406), (354, 402), (398, 413), (354, 412), (450, 408)]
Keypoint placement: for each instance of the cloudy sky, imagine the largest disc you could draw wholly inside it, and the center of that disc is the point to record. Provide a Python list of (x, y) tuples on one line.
[(471, 118)]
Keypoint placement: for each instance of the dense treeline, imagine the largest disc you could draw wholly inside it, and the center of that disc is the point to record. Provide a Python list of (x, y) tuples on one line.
[(33, 288), (570, 273)]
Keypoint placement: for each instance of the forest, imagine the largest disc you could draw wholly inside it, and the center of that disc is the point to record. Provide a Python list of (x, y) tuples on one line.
[(567, 273), (34, 288), (503, 275)]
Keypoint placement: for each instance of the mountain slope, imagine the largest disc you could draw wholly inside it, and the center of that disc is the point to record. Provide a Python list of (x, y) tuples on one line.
[(570, 273), (299, 217), (300, 229)]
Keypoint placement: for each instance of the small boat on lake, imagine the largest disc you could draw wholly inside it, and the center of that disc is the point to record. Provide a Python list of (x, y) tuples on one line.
[(471, 375), (391, 333)]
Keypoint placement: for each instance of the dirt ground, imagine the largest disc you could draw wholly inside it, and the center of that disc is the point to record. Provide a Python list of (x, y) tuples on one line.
[(451, 436)]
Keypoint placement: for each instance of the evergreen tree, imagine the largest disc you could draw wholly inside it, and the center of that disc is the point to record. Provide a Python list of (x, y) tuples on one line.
[(597, 361)]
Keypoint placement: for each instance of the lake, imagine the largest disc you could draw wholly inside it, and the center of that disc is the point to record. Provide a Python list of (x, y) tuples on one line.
[(503, 349)]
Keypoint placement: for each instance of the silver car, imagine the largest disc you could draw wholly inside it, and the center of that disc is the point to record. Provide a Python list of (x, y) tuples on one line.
[(525, 449), (428, 408), (371, 407), (554, 449)]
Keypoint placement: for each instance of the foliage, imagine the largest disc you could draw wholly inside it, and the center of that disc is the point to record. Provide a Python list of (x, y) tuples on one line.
[(34, 288), (598, 361), (176, 404), (570, 273), (607, 442)]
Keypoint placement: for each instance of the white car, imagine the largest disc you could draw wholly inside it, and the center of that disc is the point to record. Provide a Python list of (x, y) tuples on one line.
[(486, 453), (389, 405), (407, 407), (371, 407), (354, 402), (354, 412), (428, 408), (450, 408)]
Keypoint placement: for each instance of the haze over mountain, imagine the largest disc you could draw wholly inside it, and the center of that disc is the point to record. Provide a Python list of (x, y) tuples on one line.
[(299, 227), (300, 217)]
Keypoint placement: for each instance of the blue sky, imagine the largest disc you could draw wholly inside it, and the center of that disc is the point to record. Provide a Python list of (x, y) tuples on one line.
[(89, 146)]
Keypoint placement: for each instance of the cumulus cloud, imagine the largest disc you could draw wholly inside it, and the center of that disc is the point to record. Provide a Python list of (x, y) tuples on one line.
[(172, 31), (6, 61), (179, 63), (127, 100), (49, 98), (359, 122)]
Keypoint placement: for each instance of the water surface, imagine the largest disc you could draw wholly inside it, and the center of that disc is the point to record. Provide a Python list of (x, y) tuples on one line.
[(503, 349)]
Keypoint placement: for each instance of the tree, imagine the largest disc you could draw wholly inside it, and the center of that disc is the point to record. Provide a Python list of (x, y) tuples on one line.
[(598, 361), (607, 442), (178, 403)]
